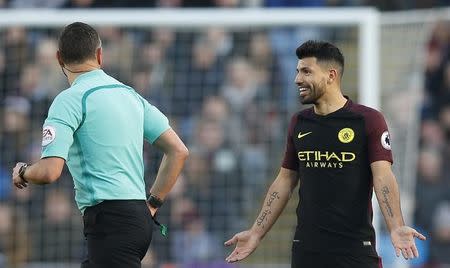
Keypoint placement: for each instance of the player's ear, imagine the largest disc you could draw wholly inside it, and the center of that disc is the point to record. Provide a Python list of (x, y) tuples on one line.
[(99, 55), (332, 75)]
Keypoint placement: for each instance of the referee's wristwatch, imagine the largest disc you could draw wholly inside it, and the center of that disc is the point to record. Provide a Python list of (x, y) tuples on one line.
[(154, 201), (22, 170)]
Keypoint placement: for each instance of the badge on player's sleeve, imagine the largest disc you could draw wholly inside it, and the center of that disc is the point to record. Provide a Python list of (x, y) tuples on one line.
[(386, 140), (48, 135)]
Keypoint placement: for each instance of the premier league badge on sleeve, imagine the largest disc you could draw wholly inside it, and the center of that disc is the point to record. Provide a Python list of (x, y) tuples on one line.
[(48, 135), (386, 140)]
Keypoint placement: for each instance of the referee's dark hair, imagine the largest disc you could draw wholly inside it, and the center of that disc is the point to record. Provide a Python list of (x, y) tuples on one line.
[(78, 42), (323, 52)]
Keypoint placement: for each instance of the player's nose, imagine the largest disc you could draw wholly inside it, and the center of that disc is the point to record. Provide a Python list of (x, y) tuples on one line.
[(298, 79)]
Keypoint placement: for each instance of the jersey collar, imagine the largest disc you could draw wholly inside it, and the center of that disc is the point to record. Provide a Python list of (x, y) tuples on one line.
[(87, 75)]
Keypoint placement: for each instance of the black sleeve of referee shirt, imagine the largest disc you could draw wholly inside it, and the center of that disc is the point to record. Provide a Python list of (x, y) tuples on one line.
[(290, 155)]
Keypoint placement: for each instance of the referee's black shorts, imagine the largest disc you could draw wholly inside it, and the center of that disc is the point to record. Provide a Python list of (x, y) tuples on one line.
[(302, 258), (118, 233)]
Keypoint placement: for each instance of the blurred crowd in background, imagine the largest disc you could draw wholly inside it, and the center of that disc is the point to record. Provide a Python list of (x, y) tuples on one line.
[(380, 4), (229, 95), (432, 212), (224, 93)]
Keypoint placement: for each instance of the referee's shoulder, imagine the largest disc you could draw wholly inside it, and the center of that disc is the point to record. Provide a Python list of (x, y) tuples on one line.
[(69, 94)]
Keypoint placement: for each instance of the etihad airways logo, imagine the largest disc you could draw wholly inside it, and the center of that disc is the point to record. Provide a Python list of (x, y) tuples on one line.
[(325, 159)]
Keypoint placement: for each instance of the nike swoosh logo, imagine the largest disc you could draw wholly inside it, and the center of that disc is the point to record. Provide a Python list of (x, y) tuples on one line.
[(300, 135)]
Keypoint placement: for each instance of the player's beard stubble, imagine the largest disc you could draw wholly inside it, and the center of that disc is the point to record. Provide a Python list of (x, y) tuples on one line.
[(314, 92)]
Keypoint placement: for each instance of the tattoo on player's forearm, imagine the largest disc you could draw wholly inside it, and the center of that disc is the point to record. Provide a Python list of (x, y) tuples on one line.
[(263, 218), (272, 197), (385, 191)]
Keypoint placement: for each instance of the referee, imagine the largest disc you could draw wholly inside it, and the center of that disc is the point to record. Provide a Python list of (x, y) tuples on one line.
[(339, 151), (97, 126)]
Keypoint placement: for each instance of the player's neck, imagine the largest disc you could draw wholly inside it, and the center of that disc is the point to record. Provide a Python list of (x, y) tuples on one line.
[(74, 70), (330, 103)]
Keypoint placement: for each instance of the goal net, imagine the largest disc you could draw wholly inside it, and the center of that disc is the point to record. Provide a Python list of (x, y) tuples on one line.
[(225, 78)]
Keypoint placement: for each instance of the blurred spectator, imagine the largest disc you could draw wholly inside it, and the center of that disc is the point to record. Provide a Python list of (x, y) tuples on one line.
[(17, 54), (5, 184), (245, 96), (36, 3), (193, 232), (15, 129), (228, 3), (197, 3), (118, 50), (14, 243), (202, 77), (440, 245), (152, 74), (60, 220), (266, 65), (169, 3), (3, 77), (79, 4), (214, 179), (444, 119), (430, 186), (432, 134)]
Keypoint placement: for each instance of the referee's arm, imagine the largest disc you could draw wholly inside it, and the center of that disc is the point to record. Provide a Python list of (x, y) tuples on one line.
[(386, 190), (276, 199), (175, 154), (44, 171)]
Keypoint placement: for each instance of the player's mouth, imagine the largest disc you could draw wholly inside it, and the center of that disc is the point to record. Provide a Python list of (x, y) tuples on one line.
[(303, 91)]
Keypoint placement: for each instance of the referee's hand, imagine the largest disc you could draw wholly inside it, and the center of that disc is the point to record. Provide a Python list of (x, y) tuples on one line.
[(152, 210), (17, 180), (403, 241), (246, 242)]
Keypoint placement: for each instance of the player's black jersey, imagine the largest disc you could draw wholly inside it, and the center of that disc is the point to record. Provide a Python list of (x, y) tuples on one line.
[(332, 155)]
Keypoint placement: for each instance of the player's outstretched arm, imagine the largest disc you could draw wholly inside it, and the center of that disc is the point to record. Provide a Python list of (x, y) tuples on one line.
[(386, 190), (276, 199)]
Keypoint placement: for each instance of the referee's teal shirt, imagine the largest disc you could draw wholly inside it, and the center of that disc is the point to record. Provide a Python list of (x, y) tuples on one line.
[(98, 125)]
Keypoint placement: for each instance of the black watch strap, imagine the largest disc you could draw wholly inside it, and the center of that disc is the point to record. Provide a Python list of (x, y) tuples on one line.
[(154, 201)]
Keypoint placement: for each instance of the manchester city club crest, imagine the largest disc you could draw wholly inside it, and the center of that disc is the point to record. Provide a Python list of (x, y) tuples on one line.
[(346, 135)]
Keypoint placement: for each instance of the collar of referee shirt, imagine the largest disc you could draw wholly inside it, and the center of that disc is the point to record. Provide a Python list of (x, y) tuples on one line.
[(87, 74)]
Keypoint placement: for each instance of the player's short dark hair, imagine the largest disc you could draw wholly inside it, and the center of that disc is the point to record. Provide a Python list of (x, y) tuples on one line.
[(322, 51), (78, 42)]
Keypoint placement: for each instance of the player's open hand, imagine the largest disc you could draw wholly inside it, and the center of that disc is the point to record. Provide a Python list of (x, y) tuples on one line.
[(17, 180), (403, 241), (246, 242)]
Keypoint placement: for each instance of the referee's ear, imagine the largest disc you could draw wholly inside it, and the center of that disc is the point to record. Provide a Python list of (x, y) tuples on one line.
[(58, 57), (99, 55)]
